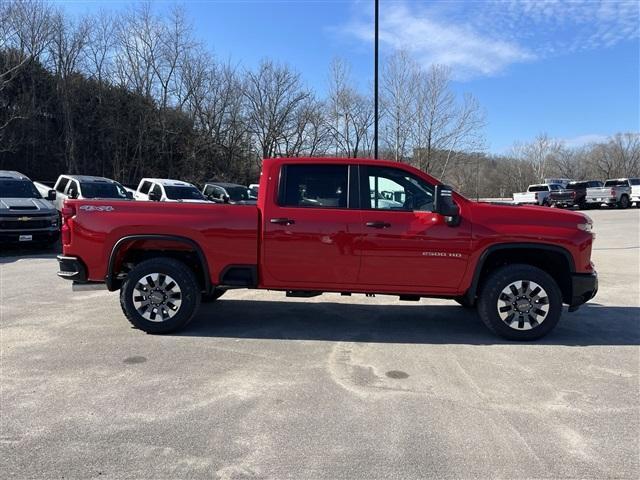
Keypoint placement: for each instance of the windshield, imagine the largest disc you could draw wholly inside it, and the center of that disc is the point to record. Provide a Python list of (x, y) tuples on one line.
[(183, 193), (237, 194), (18, 189), (615, 183), (102, 190)]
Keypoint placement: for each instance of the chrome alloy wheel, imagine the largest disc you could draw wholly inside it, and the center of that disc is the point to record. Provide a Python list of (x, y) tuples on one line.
[(157, 297), (523, 305)]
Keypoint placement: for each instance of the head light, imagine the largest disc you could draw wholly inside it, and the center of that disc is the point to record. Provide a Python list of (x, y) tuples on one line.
[(586, 227)]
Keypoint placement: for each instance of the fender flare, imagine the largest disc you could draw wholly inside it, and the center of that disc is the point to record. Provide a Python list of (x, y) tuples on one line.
[(470, 294), (112, 282)]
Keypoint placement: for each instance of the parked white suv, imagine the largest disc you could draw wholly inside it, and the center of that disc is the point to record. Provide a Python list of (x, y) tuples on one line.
[(88, 187), (167, 190)]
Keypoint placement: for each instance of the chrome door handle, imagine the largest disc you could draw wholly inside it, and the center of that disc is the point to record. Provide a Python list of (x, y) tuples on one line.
[(282, 221), (378, 224)]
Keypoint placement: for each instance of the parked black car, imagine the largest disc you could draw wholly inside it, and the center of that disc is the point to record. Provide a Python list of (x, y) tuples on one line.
[(573, 195), (222, 192)]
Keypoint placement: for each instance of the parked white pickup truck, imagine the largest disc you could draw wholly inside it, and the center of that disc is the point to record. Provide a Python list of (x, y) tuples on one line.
[(617, 192), (167, 190), (88, 187), (536, 194)]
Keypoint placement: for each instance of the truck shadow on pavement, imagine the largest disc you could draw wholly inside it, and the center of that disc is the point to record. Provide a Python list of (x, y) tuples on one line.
[(593, 324)]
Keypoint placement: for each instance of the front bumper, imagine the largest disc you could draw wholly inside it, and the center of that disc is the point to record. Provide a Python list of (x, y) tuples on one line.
[(37, 236), (584, 287)]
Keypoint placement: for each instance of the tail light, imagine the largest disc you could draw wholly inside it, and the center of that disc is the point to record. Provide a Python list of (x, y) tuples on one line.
[(573, 193), (68, 211)]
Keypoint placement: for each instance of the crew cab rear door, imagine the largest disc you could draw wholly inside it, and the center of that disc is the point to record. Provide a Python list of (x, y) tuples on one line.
[(404, 244), (309, 231)]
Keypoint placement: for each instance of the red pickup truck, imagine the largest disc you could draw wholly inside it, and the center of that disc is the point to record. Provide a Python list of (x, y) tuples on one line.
[(335, 225)]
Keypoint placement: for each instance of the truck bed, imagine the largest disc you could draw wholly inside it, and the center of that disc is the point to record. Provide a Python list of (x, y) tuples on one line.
[(226, 234)]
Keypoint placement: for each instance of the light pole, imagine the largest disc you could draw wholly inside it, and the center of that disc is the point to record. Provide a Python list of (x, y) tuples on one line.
[(375, 83)]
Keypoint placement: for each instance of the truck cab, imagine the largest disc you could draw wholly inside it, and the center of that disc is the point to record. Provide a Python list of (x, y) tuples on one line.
[(87, 187), (167, 190), (25, 216)]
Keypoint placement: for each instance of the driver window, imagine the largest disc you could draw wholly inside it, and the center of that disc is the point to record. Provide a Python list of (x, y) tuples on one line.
[(156, 189), (395, 189)]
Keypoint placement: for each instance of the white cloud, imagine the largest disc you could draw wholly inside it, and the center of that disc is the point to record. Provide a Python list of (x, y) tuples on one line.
[(582, 140), (484, 38)]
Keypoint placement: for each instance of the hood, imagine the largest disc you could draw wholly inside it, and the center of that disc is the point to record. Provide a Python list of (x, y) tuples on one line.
[(25, 205), (526, 215)]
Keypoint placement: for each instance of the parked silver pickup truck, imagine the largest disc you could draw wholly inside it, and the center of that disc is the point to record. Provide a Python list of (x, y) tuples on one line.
[(617, 192)]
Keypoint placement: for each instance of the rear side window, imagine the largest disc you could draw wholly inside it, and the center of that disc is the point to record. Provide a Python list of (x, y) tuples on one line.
[(319, 186), (157, 189), (62, 185), (616, 183), (145, 187)]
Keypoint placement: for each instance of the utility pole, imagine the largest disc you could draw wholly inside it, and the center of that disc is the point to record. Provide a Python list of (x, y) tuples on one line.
[(375, 83)]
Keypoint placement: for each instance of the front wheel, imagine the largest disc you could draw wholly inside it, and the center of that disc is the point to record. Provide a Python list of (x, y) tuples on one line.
[(160, 295), (624, 202), (520, 302)]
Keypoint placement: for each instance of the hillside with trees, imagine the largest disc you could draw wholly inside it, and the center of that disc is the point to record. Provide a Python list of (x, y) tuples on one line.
[(136, 94)]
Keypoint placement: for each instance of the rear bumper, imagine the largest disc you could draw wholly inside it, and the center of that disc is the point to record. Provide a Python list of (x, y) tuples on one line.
[(72, 268), (584, 287)]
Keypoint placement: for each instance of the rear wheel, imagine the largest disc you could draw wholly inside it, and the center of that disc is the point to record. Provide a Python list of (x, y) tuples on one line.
[(160, 295), (520, 302)]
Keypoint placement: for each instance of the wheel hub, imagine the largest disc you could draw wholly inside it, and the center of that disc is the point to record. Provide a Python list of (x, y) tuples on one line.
[(523, 305), (157, 297)]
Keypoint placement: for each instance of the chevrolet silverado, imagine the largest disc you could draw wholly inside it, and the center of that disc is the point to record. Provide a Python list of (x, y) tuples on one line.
[(322, 225)]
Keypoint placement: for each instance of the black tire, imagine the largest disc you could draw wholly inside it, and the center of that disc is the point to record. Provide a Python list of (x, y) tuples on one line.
[(500, 280), (212, 297), (624, 202), (463, 302), (186, 286)]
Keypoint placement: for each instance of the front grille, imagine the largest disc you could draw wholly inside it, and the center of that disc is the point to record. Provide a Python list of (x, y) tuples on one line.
[(25, 224)]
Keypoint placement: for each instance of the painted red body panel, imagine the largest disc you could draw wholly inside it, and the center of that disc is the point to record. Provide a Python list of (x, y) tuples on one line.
[(330, 249)]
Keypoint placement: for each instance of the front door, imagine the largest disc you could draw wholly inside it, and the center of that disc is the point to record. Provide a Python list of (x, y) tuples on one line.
[(310, 233), (405, 244)]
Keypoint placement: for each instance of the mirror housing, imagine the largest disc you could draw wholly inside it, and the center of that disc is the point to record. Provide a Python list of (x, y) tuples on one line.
[(51, 195), (444, 205), (154, 196)]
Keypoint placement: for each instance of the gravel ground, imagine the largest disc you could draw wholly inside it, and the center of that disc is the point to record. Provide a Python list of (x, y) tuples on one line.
[(261, 386)]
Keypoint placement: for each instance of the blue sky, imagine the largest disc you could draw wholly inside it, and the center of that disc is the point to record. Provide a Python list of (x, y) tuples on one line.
[(570, 69)]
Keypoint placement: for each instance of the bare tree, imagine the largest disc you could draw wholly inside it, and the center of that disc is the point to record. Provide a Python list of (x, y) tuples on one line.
[(398, 102), (350, 114), (273, 94)]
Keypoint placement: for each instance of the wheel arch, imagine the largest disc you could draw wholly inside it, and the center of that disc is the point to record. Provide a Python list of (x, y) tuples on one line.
[(174, 246), (555, 260)]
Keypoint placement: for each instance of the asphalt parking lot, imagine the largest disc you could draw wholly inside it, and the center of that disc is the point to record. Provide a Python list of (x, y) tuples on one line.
[(261, 386)]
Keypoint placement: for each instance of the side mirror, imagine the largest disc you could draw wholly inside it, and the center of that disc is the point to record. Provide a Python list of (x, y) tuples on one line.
[(154, 196), (51, 195), (444, 205), (129, 195), (225, 198)]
